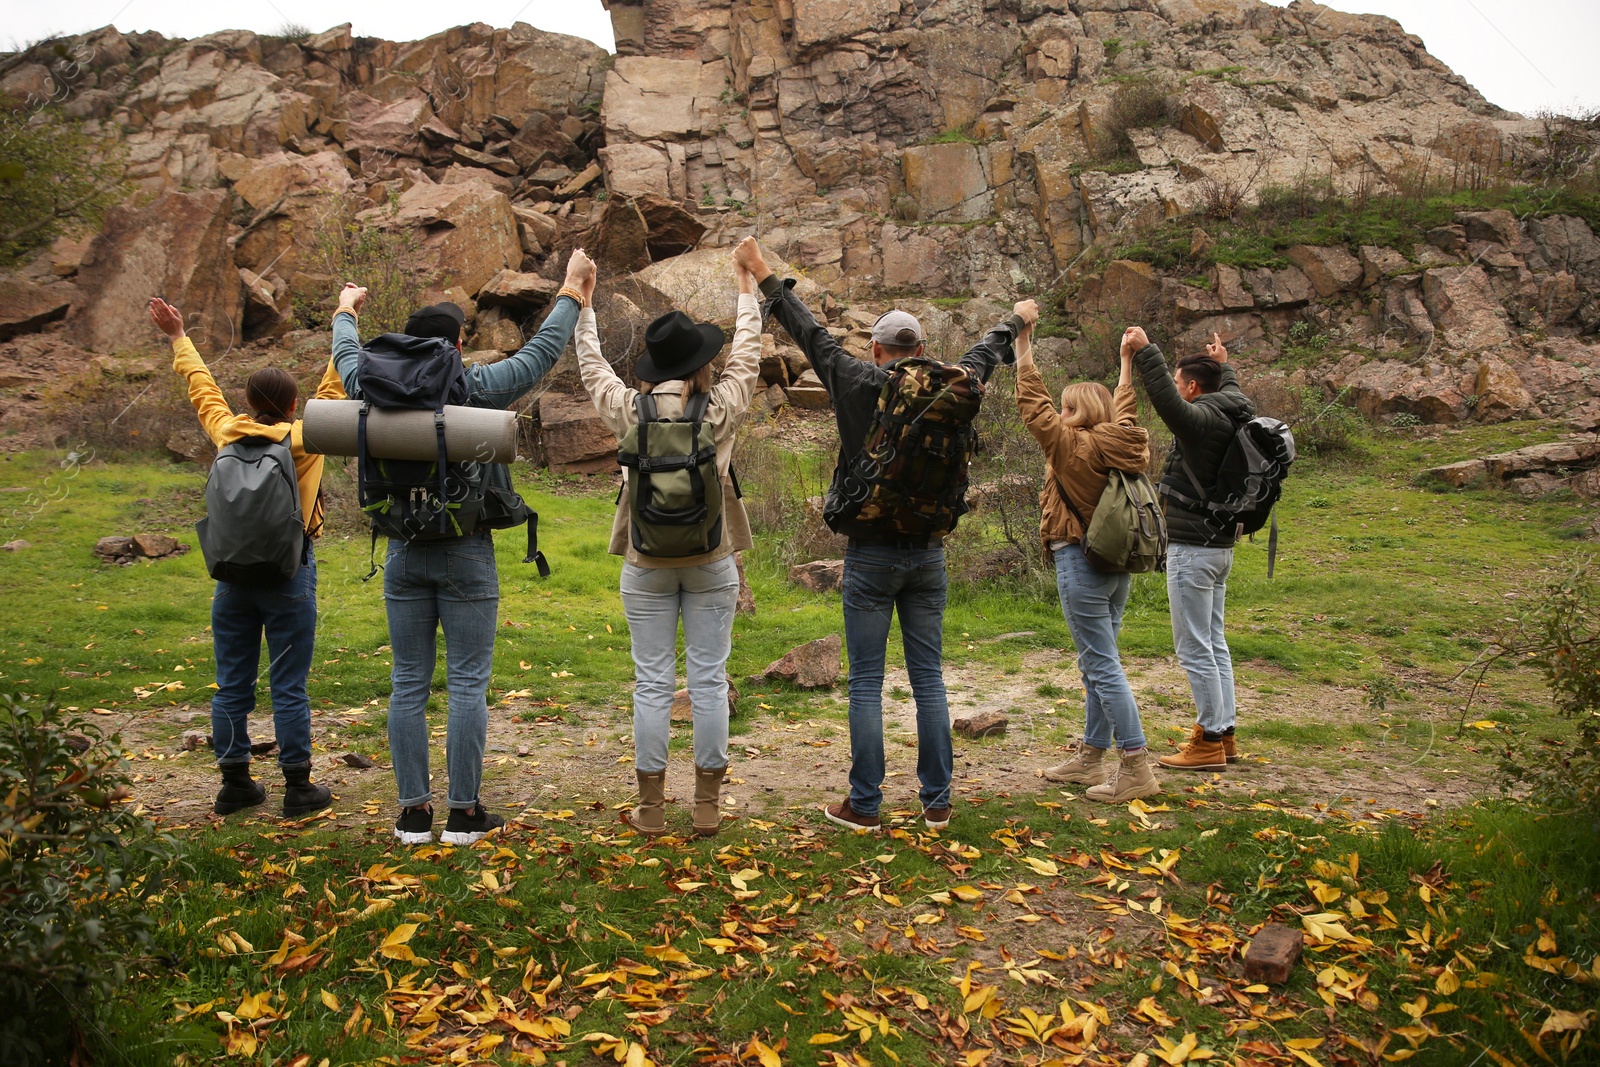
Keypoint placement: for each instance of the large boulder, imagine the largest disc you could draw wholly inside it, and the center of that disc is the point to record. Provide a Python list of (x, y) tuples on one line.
[(576, 441), (26, 307), (813, 665), (1330, 270), (467, 230), (649, 97), (948, 181), (175, 247), (1463, 309), (1433, 393), (700, 283), (1500, 392)]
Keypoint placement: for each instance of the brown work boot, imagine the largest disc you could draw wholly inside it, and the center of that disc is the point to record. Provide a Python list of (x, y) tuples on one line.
[(707, 795), (1230, 749), (843, 814), (1197, 754), (1086, 767), (650, 817), (937, 818), (1132, 778)]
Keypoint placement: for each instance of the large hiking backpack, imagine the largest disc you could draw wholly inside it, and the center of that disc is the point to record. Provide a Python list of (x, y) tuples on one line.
[(674, 490), (1128, 534), (253, 532), (1249, 480), (910, 478), (437, 499)]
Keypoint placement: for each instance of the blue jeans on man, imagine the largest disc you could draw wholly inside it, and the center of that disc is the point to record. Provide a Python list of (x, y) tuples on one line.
[(427, 585), (287, 615), (1093, 604), (1197, 593), (878, 581)]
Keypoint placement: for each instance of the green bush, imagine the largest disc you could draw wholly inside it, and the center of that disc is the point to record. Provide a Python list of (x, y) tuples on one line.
[(75, 859), (1561, 637), (58, 176)]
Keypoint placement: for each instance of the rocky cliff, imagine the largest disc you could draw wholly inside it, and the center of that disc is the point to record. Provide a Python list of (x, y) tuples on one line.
[(960, 151)]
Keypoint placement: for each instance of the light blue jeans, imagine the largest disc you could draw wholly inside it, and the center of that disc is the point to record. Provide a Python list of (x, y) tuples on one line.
[(654, 599), (1197, 591), (1093, 604), (426, 585), (877, 582)]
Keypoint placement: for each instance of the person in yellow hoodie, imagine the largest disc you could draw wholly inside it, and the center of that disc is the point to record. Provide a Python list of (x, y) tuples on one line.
[(1094, 432), (241, 613)]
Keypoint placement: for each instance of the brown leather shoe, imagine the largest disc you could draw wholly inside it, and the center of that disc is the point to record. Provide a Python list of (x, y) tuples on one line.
[(936, 818), (1198, 755), (1230, 749), (843, 814)]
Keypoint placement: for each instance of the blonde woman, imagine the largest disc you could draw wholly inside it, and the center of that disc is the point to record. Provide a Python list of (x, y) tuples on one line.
[(699, 585), (1094, 432)]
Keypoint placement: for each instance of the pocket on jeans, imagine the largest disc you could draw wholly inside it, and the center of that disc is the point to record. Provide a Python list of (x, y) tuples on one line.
[(470, 571)]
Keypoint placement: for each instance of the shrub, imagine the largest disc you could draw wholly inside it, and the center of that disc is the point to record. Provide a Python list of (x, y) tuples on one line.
[(57, 176), (387, 262), (74, 857), (1560, 637), (1138, 103)]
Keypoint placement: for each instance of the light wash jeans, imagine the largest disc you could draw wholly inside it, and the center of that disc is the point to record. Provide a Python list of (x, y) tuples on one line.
[(878, 580), (426, 585), (653, 599), (1093, 604), (287, 615), (1197, 591)]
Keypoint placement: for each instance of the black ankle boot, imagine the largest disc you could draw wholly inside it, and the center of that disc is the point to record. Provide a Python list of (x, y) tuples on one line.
[(239, 791), (300, 795)]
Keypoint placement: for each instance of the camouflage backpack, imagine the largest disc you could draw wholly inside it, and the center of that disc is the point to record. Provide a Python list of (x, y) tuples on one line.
[(910, 478)]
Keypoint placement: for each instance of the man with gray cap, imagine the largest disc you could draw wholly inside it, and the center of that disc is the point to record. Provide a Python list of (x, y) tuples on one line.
[(890, 564), (450, 582)]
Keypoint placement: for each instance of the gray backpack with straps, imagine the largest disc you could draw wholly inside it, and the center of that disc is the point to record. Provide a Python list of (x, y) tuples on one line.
[(253, 532), (674, 490)]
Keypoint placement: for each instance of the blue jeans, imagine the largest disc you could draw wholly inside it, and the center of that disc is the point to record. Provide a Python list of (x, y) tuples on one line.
[(1197, 591), (877, 581), (653, 598), (288, 616), (426, 585), (1093, 604)]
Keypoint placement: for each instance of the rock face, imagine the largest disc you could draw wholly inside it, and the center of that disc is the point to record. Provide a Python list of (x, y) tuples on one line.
[(885, 150), (819, 576), (575, 440), (1532, 471)]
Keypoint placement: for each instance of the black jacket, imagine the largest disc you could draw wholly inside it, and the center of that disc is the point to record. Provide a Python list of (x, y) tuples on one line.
[(852, 384), (1202, 432)]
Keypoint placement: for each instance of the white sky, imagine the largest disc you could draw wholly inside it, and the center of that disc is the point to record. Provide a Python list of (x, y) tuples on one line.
[(1522, 54)]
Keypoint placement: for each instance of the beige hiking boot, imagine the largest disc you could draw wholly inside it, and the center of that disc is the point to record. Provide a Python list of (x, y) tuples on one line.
[(1086, 767), (1132, 778), (707, 797), (650, 817)]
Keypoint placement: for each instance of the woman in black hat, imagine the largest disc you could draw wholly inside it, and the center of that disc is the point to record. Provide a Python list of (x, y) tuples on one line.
[(679, 522)]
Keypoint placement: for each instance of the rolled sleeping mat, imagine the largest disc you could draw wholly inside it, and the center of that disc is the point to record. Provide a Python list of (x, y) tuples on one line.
[(484, 435)]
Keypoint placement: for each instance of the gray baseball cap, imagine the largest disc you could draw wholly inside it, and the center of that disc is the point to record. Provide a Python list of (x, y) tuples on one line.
[(897, 328)]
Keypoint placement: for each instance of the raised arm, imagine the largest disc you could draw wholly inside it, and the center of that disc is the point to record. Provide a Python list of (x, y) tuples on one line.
[(611, 396), (346, 359), (499, 385), (737, 385), (204, 394), (1179, 415), (983, 358)]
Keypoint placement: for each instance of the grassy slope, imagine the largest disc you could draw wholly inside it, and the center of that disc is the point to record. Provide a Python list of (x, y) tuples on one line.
[(1376, 575)]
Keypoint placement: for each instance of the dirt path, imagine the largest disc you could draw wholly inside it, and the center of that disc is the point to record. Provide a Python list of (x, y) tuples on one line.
[(797, 756)]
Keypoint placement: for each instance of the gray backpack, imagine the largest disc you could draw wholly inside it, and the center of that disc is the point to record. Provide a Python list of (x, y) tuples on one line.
[(253, 532)]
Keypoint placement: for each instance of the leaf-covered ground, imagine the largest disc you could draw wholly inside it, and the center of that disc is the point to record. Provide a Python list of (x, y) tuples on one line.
[(1443, 925)]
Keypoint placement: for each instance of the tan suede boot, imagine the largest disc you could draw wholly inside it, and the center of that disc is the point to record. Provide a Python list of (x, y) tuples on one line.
[(707, 794), (1229, 748), (1086, 767), (650, 817), (1197, 754), (1133, 778)]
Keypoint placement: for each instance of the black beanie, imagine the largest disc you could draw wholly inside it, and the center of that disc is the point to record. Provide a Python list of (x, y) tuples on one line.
[(436, 320)]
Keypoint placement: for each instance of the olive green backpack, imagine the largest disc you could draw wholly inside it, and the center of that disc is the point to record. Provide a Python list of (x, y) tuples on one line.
[(674, 491), (1128, 534)]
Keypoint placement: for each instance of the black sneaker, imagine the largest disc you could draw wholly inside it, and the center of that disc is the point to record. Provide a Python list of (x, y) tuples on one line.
[(469, 825), (414, 826)]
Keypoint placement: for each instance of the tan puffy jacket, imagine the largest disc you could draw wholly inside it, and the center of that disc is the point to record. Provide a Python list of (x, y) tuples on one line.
[(1078, 458)]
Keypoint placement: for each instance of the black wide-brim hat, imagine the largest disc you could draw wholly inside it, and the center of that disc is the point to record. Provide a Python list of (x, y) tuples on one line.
[(675, 346)]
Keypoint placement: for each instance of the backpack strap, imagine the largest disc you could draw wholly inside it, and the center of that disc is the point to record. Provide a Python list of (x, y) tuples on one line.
[(534, 555), (695, 409), (444, 490), (1061, 491)]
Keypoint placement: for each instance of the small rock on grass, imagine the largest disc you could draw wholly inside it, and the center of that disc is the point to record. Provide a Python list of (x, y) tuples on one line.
[(357, 760), (683, 710), (982, 724), (193, 739), (15, 546), (813, 665), (1273, 953)]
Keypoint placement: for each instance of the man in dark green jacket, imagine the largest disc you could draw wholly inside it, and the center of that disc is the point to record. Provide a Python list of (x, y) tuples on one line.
[(1202, 404)]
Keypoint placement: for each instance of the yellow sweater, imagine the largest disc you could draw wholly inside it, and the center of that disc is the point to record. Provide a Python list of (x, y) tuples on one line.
[(224, 427)]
